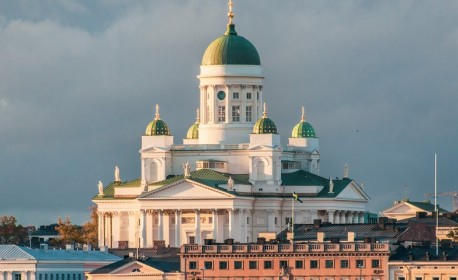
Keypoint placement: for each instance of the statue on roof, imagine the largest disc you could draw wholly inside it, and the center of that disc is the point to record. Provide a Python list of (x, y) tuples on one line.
[(187, 170), (116, 174), (230, 184), (100, 186), (331, 186), (346, 172)]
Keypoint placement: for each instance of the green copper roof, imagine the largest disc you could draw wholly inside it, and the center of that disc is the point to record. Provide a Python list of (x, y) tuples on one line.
[(303, 130), (157, 127), (231, 49), (265, 126)]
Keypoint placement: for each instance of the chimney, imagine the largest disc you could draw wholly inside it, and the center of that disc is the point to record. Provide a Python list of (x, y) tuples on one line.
[(320, 236), (421, 214), (351, 236)]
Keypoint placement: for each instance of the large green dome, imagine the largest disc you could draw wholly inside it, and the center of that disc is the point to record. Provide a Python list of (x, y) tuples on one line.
[(231, 49), (303, 129), (157, 126)]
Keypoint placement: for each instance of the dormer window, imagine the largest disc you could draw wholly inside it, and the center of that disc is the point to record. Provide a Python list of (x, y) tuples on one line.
[(212, 164)]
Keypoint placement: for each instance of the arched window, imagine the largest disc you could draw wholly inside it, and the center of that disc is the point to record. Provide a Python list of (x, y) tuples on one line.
[(153, 170), (260, 171)]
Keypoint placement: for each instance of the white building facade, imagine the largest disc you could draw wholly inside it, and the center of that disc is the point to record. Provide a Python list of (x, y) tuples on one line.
[(231, 178)]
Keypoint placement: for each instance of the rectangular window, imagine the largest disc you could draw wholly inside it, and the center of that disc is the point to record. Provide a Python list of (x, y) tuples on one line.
[(359, 263), (314, 264), (192, 240), (248, 95), (249, 114), (17, 276), (238, 265), (434, 278), (403, 278), (208, 265), (257, 95), (236, 113), (192, 265), (221, 113), (247, 220), (39, 277), (222, 265), (267, 264), (344, 264), (329, 263), (299, 264), (235, 95), (419, 278), (288, 221), (253, 265), (275, 220), (46, 276), (283, 264), (52, 276), (451, 278), (375, 263)]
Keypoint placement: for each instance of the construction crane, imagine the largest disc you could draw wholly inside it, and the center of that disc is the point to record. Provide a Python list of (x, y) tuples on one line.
[(453, 194)]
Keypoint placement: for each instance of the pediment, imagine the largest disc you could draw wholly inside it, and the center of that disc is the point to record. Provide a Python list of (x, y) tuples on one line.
[(134, 267), (352, 191), (154, 150), (402, 208), (265, 148), (186, 189)]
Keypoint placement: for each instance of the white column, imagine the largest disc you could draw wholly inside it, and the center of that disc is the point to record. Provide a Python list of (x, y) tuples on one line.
[(2, 275), (198, 233), (108, 229), (243, 214), (115, 228), (231, 222), (177, 228), (149, 228), (32, 275), (160, 226), (142, 228), (133, 230), (100, 224), (215, 224), (270, 220), (331, 216), (9, 275), (24, 275), (166, 227)]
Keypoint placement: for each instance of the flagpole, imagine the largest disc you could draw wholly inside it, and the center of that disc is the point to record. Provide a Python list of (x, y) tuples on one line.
[(435, 202), (292, 219)]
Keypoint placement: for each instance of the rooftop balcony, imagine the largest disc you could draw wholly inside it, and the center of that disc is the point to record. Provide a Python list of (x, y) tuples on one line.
[(285, 248)]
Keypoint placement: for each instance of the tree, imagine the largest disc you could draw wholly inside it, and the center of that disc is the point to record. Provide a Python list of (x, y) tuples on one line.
[(68, 232), (91, 228), (10, 233), (453, 235)]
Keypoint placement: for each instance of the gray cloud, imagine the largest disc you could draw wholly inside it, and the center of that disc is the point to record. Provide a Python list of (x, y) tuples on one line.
[(79, 79)]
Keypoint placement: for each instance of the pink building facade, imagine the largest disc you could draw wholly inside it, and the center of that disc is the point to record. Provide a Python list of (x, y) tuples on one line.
[(302, 261)]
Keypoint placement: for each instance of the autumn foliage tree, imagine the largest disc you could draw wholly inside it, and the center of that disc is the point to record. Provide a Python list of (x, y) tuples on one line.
[(71, 233), (10, 232)]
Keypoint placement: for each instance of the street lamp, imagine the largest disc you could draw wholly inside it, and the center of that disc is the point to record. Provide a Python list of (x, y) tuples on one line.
[(203, 273)]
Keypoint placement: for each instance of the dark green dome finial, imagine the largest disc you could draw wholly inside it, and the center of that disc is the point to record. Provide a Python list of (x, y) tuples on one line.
[(303, 129), (193, 131), (265, 125), (157, 126)]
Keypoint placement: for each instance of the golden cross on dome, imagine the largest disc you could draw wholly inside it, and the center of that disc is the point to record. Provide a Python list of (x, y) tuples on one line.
[(157, 112), (303, 114), (197, 116), (264, 114), (230, 14)]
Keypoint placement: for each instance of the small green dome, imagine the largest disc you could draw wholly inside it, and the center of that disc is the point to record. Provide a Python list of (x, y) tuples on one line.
[(265, 125), (193, 132), (157, 126), (303, 129), (231, 49)]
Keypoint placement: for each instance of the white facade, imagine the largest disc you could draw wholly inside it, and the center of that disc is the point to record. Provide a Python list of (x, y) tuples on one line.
[(203, 203)]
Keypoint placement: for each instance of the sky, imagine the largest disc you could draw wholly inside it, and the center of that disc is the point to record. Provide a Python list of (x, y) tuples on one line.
[(79, 81)]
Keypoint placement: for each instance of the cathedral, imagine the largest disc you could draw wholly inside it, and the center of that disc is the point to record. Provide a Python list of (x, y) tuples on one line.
[(231, 178)]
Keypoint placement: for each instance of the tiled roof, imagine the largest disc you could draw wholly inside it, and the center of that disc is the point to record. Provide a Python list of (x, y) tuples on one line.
[(214, 179), (420, 253), (431, 221), (12, 252), (309, 231), (112, 266), (426, 206)]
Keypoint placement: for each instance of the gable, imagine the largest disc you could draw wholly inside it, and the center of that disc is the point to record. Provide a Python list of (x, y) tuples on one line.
[(352, 192), (137, 267), (186, 189)]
